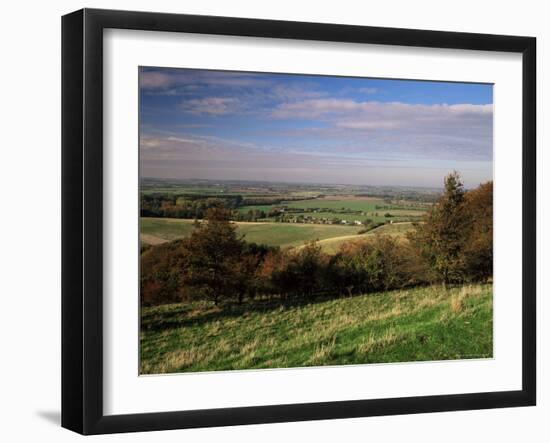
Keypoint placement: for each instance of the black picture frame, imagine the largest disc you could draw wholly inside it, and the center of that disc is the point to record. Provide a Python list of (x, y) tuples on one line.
[(82, 218)]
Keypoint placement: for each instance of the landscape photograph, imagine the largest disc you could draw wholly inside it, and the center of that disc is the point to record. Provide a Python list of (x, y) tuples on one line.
[(292, 220)]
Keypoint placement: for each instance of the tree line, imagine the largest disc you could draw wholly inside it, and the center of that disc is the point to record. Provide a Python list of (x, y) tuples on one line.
[(196, 206), (452, 245), (184, 206)]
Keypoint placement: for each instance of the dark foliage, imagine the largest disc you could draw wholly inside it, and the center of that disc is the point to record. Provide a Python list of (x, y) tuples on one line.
[(456, 239)]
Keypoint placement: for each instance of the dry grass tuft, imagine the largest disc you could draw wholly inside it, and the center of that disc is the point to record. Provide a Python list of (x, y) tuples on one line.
[(457, 303), (322, 352), (223, 346), (250, 347), (181, 359), (426, 302), (458, 300), (372, 343), (367, 345), (389, 337)]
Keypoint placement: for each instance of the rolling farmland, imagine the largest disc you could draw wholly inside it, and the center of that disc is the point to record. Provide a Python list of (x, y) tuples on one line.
[(280, 214), (333, 244)]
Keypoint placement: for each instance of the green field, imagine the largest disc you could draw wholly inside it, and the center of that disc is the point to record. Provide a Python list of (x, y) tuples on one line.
[(298, 214), (359, 204), (346, 208), (400, 326), (157, 230)]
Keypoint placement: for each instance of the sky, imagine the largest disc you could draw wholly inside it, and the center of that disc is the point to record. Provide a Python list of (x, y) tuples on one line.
[(225, 125)]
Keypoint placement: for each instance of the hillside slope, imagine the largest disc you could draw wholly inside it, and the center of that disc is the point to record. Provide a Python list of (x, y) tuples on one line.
[(399, 326), (159, 230)]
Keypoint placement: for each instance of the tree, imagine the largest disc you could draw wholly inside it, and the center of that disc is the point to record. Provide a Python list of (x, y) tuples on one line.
[(479, 247), (245, 275), (308, 266), (216, 251), (442, 237), (347, 269), (270, 271), (384, 263), (293, 272)]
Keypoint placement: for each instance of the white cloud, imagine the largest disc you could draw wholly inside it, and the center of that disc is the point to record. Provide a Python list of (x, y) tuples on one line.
[(396, 111), (439, 129), (211, 106)]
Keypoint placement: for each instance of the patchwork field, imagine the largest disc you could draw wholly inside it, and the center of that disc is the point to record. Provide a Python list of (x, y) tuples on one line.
[(345, 207), (400, 326), (280, 214)]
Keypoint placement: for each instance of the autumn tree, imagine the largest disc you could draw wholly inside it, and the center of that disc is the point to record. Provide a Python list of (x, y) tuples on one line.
[(248, 269), (271, 273), (479, 247), (294, 273), (161, 276)]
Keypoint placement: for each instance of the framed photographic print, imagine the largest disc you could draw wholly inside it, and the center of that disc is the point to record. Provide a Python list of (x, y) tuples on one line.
[(269, 221)]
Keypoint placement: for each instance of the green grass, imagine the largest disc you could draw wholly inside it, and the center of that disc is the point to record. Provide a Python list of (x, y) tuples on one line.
[(274, 234), (399, 326), (166, 228), (366, 204), (265, 208)]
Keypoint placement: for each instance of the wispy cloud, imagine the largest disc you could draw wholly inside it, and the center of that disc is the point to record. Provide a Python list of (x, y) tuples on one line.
[(156, 80), (429, 131), (192, 125), (368, 91), (212, 158), (396, 111), (211, 106), (183, 82)]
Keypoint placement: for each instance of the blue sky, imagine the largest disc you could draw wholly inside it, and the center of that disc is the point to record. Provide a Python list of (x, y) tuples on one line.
[(317, 129)]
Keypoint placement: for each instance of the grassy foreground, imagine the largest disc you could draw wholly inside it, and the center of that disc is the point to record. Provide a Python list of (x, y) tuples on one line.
[(399, 326)]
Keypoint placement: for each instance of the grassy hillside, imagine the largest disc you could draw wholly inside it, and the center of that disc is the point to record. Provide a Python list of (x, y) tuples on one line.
[(157, 230), (398, 326)]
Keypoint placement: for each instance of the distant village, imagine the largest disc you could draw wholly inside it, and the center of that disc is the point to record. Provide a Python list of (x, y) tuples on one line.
[(296, 215)]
